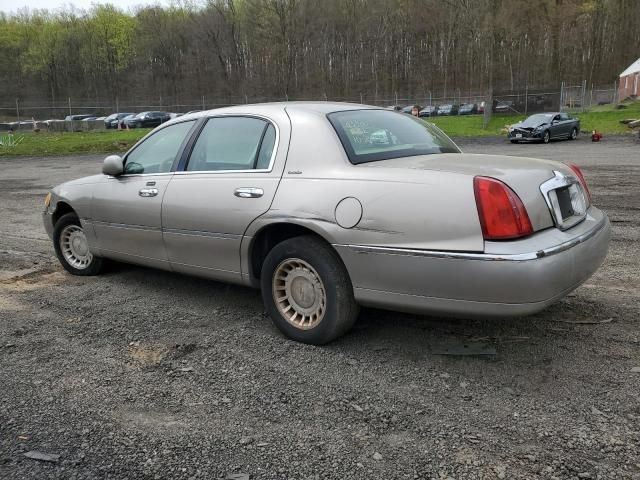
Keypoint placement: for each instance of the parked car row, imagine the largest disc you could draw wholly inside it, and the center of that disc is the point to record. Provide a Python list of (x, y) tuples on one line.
[(498, 106), (439, 110), (147, 119)]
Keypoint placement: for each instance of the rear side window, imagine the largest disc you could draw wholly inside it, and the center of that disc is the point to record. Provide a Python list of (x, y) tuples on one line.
[(233, 143), (374, 135)]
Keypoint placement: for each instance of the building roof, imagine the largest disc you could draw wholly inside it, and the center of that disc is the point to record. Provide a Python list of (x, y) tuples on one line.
[(633, 68)]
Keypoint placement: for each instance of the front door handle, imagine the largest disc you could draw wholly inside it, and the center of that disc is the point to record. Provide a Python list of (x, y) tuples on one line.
[(148, 192), (248, 192)]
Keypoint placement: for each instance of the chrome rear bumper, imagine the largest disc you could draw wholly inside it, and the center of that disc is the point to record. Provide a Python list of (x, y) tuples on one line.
[(510, 278)]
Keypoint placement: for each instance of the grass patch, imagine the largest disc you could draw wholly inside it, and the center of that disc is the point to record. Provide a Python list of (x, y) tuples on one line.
[(605, 119), (65, 143)]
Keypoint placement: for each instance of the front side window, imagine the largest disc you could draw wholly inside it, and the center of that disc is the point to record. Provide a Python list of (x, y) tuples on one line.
[(157, 153), (233, 143), (373, 135)]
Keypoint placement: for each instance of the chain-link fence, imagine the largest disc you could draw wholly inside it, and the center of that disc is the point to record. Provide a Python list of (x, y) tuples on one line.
[(27, 113)]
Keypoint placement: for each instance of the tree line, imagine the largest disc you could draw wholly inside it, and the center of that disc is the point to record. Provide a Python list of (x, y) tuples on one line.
[(314, 48)]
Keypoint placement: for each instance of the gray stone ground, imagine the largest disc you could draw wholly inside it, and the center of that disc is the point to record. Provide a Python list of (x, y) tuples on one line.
[(147, 374)]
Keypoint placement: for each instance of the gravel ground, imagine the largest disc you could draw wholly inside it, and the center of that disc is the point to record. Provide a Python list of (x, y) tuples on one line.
[(147, 374)]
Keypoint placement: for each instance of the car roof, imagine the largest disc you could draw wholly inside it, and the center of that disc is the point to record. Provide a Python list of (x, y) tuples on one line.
[(316, 107)]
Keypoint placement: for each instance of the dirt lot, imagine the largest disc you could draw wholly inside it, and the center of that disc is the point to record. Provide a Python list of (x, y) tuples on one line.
[(146, 374)]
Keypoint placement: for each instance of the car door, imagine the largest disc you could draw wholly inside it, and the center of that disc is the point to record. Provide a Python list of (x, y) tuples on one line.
[(230, 179), (567, 124), (556, 127), (126, 210)]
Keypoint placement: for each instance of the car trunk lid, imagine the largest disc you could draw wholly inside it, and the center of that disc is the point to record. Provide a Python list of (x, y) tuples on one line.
[(524, 176)]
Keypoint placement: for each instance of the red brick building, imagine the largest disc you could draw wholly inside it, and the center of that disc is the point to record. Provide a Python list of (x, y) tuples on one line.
[(629, 85)]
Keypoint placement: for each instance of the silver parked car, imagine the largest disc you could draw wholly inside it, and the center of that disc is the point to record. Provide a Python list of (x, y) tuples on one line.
[(326, 207)]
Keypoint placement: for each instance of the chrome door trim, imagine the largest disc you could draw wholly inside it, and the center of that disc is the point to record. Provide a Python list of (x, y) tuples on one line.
[(492, 257)]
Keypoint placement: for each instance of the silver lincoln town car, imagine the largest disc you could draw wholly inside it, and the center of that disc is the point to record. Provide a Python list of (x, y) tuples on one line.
[(328, 206)]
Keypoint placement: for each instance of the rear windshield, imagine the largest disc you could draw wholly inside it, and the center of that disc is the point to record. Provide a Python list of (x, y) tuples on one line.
[(374, 135)]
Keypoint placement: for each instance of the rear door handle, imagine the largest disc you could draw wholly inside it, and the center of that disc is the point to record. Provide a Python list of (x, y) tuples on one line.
[(248, 192), (148, 192)]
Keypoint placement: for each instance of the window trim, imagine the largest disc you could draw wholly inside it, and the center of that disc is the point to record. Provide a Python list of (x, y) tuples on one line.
[(182, 169), (184, 143)]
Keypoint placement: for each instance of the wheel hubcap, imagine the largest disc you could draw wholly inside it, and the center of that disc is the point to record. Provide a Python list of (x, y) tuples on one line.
[(74, 247), (299, 293)]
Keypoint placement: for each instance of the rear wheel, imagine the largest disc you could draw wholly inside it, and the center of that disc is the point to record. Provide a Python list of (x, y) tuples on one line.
[(574, 134), (72, 248), (307, 291), (546, 137)]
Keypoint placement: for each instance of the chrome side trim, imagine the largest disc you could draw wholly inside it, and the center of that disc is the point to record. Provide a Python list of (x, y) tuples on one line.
[(125, 226), (198, 233), (518, 257), (174, 231)]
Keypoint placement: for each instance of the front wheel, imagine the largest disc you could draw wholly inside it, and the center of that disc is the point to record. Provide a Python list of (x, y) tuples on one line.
[(514, 141), (72, 248), (307, 291), (574, 134), (546, 137)]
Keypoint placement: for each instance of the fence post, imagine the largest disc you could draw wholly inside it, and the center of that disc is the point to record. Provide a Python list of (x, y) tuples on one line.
[(396, 99), (584, 91), (526, 97), (203, 103), (117, 105), (615, 92), (69, 100), (561, 95), (17, 110), (591, 97)]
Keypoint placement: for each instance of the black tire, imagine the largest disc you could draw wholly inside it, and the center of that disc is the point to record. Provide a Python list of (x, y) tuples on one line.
[(574, 134), (95, 265), (546, 136), (514, 141), (341, 309)]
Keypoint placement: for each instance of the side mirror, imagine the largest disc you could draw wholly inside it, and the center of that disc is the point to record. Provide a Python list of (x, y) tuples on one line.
[(113, 165)]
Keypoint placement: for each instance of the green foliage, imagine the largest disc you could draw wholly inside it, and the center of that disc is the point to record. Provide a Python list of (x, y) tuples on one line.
[(308, 48), (10, 141)]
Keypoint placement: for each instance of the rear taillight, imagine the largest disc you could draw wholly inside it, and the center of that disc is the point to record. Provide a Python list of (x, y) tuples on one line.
[(502, 214), (580, 176)]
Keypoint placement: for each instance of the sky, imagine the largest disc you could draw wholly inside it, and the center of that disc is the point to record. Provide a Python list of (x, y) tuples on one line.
[(12, 6)]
